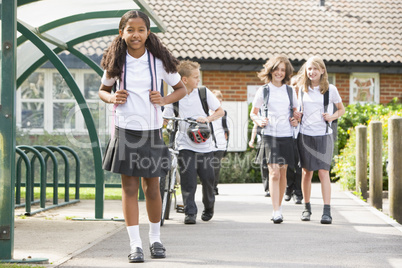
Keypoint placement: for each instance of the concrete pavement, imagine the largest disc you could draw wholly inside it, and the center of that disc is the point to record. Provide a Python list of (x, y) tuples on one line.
[(241, 235)]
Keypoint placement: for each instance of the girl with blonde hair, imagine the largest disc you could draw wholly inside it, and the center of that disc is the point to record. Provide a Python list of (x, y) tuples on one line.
[(315, 143)]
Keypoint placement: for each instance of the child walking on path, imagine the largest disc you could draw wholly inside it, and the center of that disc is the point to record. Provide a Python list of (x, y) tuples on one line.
[(221, 132), (139, 62), (277, 121), (315, 141), (195, 156)]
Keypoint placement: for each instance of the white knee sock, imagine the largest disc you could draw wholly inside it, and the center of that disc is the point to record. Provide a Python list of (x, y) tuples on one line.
[(154, 232), (134, 235)]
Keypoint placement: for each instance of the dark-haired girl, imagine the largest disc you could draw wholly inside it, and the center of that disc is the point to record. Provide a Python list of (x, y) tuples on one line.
[(138, 62)]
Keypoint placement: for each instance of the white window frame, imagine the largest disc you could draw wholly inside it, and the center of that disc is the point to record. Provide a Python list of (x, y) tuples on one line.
[(80, 127), (376, 92)]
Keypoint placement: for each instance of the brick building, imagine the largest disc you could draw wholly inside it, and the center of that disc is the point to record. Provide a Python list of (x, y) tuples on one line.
[(360, 42)]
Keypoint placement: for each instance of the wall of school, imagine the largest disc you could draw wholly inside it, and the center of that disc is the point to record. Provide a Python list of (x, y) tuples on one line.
[(233, 84)]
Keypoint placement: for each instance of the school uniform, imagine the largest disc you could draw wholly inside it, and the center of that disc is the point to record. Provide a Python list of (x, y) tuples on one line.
[(137, 148), (194, 158), (277, 144), (315, 140)]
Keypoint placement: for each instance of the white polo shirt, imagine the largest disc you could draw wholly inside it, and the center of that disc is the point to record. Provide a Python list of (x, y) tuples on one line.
[(313, 123), (278, 110), (190, 106), (138, 113)]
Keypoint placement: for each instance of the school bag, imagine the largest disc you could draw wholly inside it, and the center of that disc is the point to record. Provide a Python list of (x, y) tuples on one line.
[(202, 93), (266, 99), (225, 127)]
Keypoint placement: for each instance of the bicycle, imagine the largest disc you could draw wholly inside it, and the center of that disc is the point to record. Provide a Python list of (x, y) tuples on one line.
[(170, 183)]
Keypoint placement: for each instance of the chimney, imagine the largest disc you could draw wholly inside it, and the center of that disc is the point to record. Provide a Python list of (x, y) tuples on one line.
[(322, 3)]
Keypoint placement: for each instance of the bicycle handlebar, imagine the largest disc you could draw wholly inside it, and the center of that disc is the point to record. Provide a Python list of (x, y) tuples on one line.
[(188, 120)]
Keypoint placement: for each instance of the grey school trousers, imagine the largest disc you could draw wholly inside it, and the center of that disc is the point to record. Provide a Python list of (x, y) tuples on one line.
[(192, 164)]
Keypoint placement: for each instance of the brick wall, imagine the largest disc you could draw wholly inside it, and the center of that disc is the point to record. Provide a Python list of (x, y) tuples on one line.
[(342, 83), (234, 84), (390, 87)]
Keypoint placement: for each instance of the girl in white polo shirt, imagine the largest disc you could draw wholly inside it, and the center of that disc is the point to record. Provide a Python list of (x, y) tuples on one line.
[(139, 62), (315, 140), (277, 124)]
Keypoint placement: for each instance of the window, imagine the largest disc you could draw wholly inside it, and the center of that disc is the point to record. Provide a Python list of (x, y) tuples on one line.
[(45, 102), (32, 103), (331, 79), (364, 87)]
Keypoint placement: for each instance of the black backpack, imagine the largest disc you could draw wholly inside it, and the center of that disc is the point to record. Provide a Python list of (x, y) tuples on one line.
[(266, 99), (202, 92), (225, 126)]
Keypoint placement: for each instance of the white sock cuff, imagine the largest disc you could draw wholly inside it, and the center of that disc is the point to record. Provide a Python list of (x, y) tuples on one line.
[(134, 235)]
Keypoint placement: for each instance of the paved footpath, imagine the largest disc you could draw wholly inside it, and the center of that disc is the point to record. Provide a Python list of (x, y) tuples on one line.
[(242, 235)]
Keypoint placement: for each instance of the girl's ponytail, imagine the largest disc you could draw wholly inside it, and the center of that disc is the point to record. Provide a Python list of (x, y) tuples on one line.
[(155, 46)]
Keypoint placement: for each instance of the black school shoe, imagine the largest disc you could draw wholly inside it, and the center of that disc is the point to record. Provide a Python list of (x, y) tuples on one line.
[(136, 256), (190, 219), (326, 219), (207, 215), (157, 251)]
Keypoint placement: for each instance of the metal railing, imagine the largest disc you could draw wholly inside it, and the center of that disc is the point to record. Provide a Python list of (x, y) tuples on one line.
[(23, 151)]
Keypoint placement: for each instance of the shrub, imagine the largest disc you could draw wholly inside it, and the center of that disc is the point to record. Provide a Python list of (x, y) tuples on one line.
[(345, 163)]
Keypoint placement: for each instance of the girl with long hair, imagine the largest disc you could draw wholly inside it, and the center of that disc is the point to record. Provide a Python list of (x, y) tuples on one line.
[(315, 143), (138, 62)]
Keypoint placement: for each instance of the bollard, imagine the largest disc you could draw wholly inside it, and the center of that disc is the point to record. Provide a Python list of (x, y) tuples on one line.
[(361, 160), (394, 167), (375, 178)]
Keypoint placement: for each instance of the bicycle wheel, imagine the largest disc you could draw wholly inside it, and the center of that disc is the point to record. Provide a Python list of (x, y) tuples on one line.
[(172, 180), (166, 195)]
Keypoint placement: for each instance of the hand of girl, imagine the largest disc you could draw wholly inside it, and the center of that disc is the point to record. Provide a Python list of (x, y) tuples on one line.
[(293, 121), (262, 122), (120, 97), (156, 98), (297, 115), (327, 117), (251, 144)]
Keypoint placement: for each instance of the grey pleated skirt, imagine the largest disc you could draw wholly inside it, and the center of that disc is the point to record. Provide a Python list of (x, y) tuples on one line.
[(137, 153), (315, 151), (277, 150)]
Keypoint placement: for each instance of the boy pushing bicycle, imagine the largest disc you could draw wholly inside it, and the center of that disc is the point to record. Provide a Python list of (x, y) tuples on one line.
[(195, 142)]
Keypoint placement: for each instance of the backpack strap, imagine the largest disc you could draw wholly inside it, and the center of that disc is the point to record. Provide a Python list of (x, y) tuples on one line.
[(326, 102), (266, 99), (202, 92), (122, 85), (290, 95), (225, 127)]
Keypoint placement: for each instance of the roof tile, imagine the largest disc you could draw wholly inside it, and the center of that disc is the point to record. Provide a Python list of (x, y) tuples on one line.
[(358, 31)]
